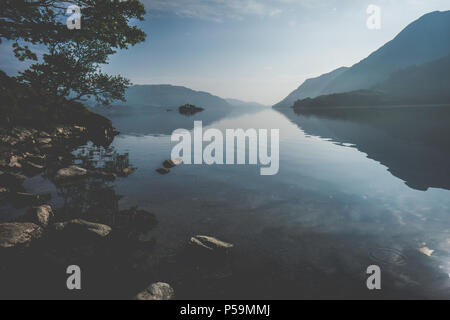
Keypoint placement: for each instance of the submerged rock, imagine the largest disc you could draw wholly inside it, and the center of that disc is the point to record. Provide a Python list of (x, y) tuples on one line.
[(72, 172), (136, 225), (163, 171), (210, 243), (80, 227), (172, 163), (14, 235), (127, 171), (157, 291)]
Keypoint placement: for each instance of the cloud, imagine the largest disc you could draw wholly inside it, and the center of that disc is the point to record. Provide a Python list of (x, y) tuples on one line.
[(220, 10)]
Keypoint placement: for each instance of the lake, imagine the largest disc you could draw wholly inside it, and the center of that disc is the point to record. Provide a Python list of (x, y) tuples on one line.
[(354, 189)]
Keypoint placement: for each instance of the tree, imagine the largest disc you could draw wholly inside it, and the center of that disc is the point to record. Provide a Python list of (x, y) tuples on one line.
[(70, 66)]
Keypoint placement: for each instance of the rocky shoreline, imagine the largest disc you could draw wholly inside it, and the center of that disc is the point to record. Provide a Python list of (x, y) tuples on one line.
[(53, 239)]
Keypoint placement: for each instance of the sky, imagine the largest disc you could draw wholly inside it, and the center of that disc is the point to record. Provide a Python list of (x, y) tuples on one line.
[(255, 50)]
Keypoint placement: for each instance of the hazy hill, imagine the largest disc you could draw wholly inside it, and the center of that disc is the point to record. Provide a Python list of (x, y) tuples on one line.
[(310, 88), (167, 96), (425, 84), (424, 40)]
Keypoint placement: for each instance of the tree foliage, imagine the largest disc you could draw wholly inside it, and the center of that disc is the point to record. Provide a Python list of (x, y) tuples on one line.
[(71, 62)]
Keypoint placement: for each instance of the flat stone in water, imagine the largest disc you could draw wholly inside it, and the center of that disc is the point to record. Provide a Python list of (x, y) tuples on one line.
[(210, 243), (71, 172), (81, 226)]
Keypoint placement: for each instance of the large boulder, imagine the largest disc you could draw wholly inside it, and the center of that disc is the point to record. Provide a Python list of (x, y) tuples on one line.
[(157, 291), (70, 173), (13, 235)]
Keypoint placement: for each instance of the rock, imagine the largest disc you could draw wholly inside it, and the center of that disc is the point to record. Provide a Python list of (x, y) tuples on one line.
[(41, 215), (44, 134), (426, 251), (11, 163), (80, 227), (210, 243), (127, 171), (157, 291), (14, 235), (44, 140), (8, 140), (163, 171), (14, 162), (35, 158), (189, 109), (72, 172), (172, 163)]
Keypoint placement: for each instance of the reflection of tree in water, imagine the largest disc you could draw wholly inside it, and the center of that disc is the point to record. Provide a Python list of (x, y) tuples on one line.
[(105, 158), (94, 198), (124, 253)]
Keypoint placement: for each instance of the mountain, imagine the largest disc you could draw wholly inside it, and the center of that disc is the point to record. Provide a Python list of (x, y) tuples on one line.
[(244, 104), (425, 84), (168, 96), (424, 40), (310, 88)]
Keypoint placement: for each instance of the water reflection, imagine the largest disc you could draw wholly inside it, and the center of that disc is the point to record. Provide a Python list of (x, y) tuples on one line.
[(413, 142), (163, 121)]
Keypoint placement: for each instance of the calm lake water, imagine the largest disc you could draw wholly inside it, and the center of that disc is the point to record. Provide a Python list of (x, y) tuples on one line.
[(342, 201)]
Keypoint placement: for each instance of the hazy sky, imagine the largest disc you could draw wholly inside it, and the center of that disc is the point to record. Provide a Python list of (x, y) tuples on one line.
[(258, 50)]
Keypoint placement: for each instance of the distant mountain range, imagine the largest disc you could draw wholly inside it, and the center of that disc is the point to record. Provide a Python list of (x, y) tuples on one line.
[(420, 43), (425, 84), (168, 96), (311, 88)]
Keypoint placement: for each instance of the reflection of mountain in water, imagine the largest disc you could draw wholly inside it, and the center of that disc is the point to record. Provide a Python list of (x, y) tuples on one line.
[(163, 121), (413, 142)]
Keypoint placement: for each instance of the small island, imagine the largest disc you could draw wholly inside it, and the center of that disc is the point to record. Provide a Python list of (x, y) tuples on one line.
[(189, 109)]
